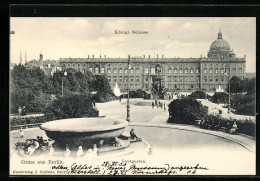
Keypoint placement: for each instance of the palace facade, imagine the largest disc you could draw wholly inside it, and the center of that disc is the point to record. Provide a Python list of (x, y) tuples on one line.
[(177, 74)]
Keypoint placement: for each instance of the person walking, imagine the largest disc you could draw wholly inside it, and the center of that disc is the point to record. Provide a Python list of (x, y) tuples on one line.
[(152, 105), (21, 133)]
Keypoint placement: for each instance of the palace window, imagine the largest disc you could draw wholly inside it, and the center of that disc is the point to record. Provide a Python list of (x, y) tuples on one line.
[(120, 70), (109, 78), (186, 71), (132, 70), (120, 79), (197, 71), (175, 71), (84, 71), (216, 70), (125, 70), (78, 65), (146, 70), (115, 71), (222, 71), (175, 86), (170, 86), (109, 70), (240, 71), (191, 86), (132, 79), (185, 79), (205, 79), (180, 78), (114, 79), (191, 71), (68, 65), (96, 70), (222, 79), (91, 69), (137, 79), (205, 71), (84, 65), (73, 65), (102, 70), (216, 78), (137, 70), (210, 79), (175, 79), (210, 71), (234, 70), (152, 70), (210, 65), (191, 79), (170, 78), (169, 70), (181, 71)]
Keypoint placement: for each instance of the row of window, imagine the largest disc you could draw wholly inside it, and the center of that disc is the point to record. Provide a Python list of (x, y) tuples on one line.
[(222, 70), (102, 70)]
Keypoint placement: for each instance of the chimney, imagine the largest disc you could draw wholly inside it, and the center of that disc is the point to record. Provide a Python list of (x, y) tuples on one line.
[(162, 56), (88, 56), (157, 56), (100, 56), (144, 56), (149, 56), (105, 56), (92, 56)]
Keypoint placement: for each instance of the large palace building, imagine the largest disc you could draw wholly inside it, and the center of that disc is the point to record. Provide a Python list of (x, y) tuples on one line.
[(177, 74)]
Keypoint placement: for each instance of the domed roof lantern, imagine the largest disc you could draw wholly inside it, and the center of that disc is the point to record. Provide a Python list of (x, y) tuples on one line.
[(219, 35)]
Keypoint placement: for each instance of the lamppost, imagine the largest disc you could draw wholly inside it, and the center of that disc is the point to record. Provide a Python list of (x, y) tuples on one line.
[(128, 106), (64, 74), (228, 85)]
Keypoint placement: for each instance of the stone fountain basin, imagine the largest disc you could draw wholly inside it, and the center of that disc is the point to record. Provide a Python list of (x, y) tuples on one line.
[(84, 129)]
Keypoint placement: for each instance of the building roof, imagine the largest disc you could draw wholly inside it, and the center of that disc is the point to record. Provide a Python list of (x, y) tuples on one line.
[(220, 44), (142, 60)]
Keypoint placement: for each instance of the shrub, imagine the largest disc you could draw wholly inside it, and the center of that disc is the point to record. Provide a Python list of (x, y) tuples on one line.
[(186, 111), (73, 106), (220, 98), (103, 97), (198, 95), (139, 93)]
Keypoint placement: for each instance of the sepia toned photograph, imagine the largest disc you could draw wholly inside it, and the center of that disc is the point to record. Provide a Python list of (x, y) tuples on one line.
[(132, 96)]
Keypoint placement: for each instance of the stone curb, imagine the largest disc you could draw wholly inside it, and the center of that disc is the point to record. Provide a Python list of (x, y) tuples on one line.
[(247, 146)]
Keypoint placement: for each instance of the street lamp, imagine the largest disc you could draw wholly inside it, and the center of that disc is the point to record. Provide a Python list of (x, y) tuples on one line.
[(128, 106), (228, 86), (64, 74)]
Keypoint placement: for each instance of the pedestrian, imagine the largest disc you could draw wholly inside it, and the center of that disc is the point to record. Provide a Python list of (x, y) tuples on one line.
[(21, 133), (152, 105), (19, 111), (80, 151), (67, 152), (164, 107), (119, 99), (233, 130), (156, 102)]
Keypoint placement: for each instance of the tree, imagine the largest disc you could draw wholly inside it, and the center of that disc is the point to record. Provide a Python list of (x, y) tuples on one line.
[(101, 84), (220, 98), (72, 106), (236, 85), (186, 111), (198, 95)]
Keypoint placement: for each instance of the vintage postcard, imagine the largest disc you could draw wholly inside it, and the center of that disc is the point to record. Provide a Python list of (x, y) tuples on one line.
[(132, 96)]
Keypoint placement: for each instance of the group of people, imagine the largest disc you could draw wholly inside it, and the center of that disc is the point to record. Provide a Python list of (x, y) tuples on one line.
[(159, 104), (230, 127), (90, 154), (33, 146)]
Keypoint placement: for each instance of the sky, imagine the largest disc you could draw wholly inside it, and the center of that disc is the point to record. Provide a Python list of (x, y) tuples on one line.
[(172, 37)]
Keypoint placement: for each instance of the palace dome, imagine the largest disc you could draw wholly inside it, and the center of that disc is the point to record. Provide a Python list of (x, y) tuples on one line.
[(220, 44)]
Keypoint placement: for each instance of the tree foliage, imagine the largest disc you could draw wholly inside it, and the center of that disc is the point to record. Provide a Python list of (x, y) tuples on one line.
[(220, 98), (198, 95), (72, 106), (186, 111)]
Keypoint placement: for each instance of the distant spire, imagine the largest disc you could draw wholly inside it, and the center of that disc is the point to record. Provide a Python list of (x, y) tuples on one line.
[(21, 59), (219, 35), (25, 57)]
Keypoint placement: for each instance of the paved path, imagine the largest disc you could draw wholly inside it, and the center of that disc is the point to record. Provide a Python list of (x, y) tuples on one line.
[(213, 106)]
